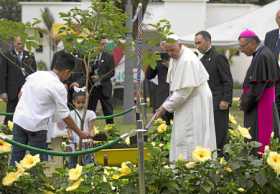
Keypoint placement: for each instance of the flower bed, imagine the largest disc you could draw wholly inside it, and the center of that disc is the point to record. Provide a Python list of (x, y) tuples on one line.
[(241, 171)]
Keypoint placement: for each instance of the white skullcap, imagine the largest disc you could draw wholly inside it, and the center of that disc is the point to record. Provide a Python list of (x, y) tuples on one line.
[(175, 37)]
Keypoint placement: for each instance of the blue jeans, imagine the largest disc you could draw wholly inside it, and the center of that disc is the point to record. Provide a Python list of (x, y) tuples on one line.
[(36, 139)]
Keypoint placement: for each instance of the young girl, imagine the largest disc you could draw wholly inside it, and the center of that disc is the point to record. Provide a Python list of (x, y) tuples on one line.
[(79, 99)]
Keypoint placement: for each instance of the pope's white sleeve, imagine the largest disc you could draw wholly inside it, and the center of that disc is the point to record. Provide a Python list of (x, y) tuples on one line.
[(177, 98)]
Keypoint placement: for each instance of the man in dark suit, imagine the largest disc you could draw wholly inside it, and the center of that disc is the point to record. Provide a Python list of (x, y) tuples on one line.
[(272, 38), (220, 83), (102, 71), (162, 90), (272, 41), (15, 65)]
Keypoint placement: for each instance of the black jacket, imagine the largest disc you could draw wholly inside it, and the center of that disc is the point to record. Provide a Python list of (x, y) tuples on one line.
[(220, 78), (270, 40), (104, 67), (162, 90), (13, 72)]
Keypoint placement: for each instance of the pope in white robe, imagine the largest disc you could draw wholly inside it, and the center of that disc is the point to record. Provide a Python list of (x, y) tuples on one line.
[(191, 101)]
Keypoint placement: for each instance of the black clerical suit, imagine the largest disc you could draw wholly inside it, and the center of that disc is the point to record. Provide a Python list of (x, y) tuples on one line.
[(103, 67), (162, 90), (258, 96), (272, 41), (221, 85), (14, 68)]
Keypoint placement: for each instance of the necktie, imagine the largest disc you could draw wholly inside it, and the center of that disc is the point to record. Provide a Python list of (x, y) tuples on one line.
[(277, 48), (19, 56)]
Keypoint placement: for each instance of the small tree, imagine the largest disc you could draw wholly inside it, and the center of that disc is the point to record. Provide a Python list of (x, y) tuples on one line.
[(84, 29)]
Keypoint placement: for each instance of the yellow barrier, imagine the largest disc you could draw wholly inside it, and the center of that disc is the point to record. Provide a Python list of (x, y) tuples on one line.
[(115, 157)]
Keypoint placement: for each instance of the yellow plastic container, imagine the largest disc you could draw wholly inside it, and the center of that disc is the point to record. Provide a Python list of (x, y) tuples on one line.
[(115, 157)]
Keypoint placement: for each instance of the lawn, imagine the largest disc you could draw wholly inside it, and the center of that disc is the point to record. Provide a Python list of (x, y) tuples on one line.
[(2, 106)]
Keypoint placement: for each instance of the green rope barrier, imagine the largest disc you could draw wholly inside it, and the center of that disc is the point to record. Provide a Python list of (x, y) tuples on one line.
[(97, 118), (115, 115), (6, 114), (57, 153)]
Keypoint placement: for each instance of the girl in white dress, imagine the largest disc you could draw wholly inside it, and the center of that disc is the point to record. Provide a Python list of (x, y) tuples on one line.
[(79, 99)]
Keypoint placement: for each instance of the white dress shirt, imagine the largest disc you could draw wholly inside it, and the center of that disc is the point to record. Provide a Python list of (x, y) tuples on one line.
[(44, 99)]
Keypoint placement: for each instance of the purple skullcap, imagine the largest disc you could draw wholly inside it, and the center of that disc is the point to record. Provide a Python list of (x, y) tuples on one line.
[(247, 34)]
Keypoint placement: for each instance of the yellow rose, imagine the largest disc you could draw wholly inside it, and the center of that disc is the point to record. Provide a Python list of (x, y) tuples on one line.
[(20, 168), (190, 165), (223, 161), (75, 185), (162, 128), (109, 127), (4, 147), (10, 178), (124, 170), (95, 130), (29, 161), (240, 189), (159, 121), (10, 125), (116, 176), (201, 154), (232, 119), (234, 133), (274, 161), (127, 140), (75, 173), (244, 132)]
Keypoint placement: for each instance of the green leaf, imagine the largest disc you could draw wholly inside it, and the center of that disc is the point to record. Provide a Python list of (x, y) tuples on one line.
[(261, 178)]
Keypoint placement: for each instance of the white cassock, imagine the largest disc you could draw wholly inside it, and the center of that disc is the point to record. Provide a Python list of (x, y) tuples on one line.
[(191, 102)]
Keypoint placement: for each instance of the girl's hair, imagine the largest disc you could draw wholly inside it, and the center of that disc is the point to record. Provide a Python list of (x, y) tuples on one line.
[(78, 92)]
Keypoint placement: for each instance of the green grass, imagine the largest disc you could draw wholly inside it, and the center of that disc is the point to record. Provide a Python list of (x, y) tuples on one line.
[(119, 122), (2, 106)]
